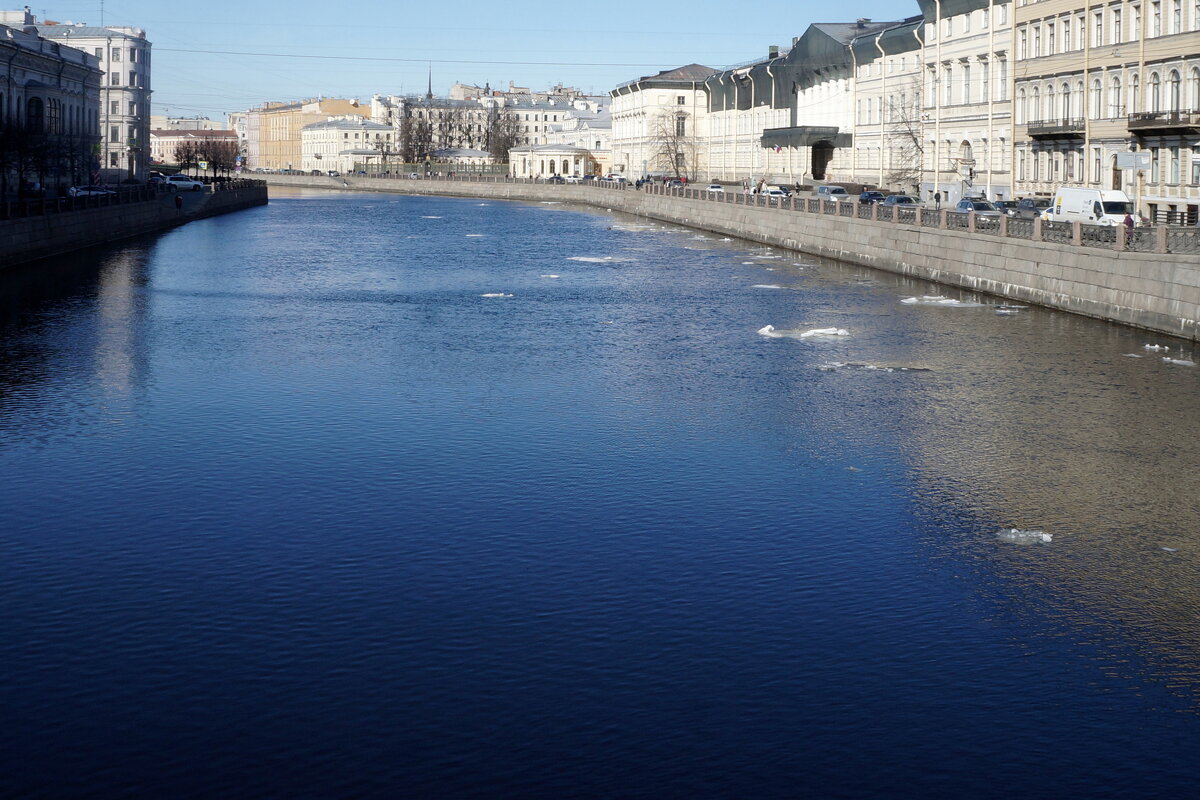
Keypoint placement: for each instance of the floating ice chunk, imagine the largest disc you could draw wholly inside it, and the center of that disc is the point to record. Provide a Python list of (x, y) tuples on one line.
[(552, 276), (1008, 312), (1155, 347), (429, 216), (1018, 536), (749, 264), (495, 294), (726, 239), (834, 366), (1182, 362), (823, 332), (551, 203), (939, 300), (595, 260), (473, 235), (1133, 355), (1170, 550), (766, 286)]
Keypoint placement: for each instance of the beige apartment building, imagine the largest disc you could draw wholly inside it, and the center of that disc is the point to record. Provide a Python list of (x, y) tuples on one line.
[(1096, 80), (276, 129)]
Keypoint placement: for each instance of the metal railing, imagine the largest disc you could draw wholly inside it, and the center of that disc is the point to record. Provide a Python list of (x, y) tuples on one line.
[(41, 206)]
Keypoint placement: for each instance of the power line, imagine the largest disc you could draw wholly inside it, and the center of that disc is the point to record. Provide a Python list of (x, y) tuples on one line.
[(402, 60)]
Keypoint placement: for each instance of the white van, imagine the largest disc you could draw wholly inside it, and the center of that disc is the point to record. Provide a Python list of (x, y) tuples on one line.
[(1089, 206)]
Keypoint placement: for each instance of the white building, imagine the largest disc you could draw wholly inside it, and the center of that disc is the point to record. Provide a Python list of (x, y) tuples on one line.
[(342, 143), (660, 124), (164, 143), (587, 129), (50, 92), (544, 160), (969, 135), (124, 55)]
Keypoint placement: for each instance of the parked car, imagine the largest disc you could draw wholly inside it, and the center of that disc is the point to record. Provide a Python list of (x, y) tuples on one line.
[(589, 177), (715, 187), (675, 184), (89, 191), (1030, 207), (835, 193), (555, 179), (776, 191), (333, 173), (1007, 207), (901, 200), (869, 198), (183, 183), (981, 207), (572, 179), (615, 178)]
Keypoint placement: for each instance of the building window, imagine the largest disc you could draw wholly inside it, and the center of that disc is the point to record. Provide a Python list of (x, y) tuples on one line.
[(133, 79), (1176, 16), (1117, 30), (112, 160), (681, 100), (1173, 160), (1095, 164), (114, 133), (132, 109), (99, 52), (1037, 40), (1050, 40), (133, 54), (114, 79), (1156, 18), (1155, 167), (1098, 29), (114, 106), (1066, 35), (114, 54), (1022, 43)]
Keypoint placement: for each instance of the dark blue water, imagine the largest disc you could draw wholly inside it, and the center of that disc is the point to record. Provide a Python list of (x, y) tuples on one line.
[(290, 509)]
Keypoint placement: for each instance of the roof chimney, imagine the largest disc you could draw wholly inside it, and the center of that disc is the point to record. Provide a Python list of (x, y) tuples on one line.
[(862, 22), (773, 51)]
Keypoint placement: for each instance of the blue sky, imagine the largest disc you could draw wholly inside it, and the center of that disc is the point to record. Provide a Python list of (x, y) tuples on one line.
[(367, 47)]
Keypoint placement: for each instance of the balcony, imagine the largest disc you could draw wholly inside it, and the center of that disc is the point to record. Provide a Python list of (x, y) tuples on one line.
[(1151, 122), (1055, 128)]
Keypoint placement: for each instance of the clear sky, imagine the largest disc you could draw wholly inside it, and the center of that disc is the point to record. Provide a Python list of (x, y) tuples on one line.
[(293, 49)]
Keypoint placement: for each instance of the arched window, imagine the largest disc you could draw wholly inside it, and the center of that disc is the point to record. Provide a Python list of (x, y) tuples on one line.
[(1097, 110), (1135, 93), (1050, 107), (54, 116), (1035, 105), (1194, 88), (1174, 91), (1077, 112), (1021, 109), (35, 115), (1065, 102), (1115, 109), (1155, 98)]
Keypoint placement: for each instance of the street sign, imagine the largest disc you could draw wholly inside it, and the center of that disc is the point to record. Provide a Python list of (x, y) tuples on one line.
[(202, 164), (1138, 160)]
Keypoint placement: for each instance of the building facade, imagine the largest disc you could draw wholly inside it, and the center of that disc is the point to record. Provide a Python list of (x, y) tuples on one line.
[(124, 55), (1098, 81), (164, 143), (660, 124), (49, 111), (273, 130), (343, 143)]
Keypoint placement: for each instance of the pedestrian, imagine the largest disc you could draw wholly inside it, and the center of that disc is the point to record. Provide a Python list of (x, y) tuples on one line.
[(1128, 222), (937, 201), (179, 201)]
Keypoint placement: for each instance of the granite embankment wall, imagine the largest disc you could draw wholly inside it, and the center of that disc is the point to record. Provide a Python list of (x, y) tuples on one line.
[(31, 238), (1154, 291)]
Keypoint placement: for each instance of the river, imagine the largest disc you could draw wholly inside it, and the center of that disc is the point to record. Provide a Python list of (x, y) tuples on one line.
[(364, 495)]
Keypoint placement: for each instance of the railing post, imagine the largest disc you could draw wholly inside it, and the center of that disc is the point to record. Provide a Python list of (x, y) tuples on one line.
[(1037, 229), (875, 212), (1160, 244), (943, 219), (1004, 226), (1077, 233), (1122, 239)]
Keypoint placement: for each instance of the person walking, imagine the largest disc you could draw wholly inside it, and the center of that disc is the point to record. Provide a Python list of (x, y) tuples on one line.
[(937, 201), (179, 201)]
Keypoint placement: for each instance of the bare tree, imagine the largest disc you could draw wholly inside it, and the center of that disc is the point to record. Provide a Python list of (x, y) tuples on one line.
[(219, 154), (674, 149), (503, 134), (416, 139), (904, 145), (186, 155)]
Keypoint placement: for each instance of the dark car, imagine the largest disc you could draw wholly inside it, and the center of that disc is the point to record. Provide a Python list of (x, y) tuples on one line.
[(556, 179), (901, 200), (674, 184), (1030, 207), (1007, 207), (868, 198), (981, 207)]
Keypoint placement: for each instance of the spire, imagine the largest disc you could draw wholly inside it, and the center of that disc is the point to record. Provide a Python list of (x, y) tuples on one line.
[(429, 91)]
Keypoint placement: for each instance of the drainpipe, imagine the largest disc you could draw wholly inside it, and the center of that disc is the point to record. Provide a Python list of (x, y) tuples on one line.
[(1142, 89), (883, 95), (991, 61)]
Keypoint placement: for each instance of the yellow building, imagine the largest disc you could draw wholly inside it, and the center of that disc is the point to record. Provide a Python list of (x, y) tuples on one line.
[(1098, 79), (276, 128)]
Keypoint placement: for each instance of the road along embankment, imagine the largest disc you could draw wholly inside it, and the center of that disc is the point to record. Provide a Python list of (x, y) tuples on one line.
[(1127, 282), (54, 232)]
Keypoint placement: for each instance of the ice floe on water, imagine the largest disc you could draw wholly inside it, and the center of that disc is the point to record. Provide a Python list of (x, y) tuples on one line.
[(726, 239), (597, 259), (1179, 362), (429, 216), (939, 300), (473, 235), (766, 286), (834, 366), (495, 294), (1155, 348), (551, 203), (772, 332), (1133, 355), (552, 276), (1018, 536)]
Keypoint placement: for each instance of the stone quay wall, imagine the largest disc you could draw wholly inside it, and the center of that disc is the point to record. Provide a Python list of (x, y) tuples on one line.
[(38, 236), (1131, 279)]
